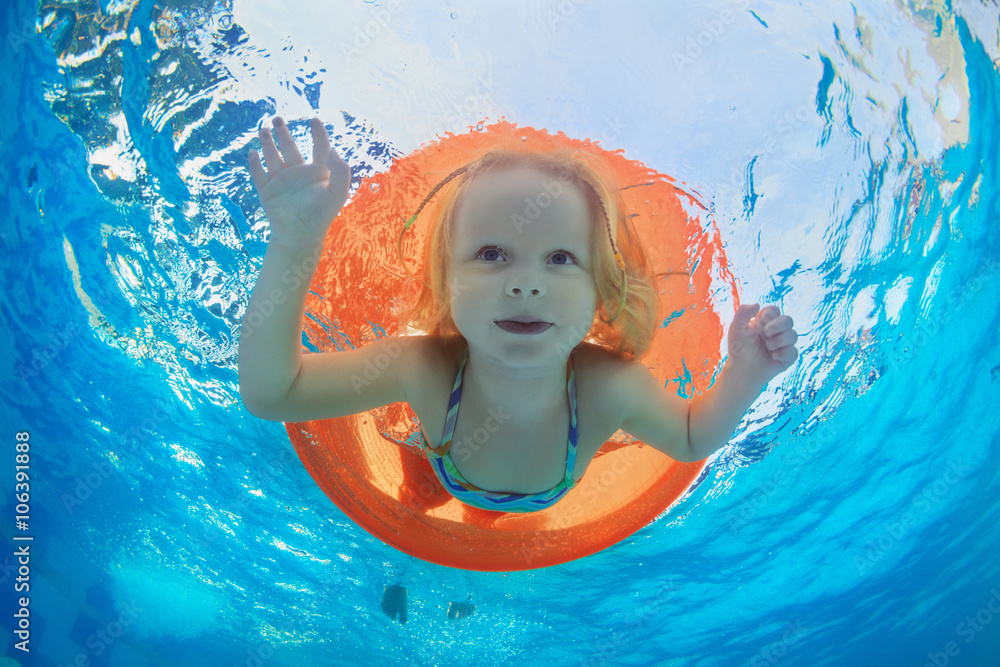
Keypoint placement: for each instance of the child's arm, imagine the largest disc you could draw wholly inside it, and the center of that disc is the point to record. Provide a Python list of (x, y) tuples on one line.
[(760, 348), (277, 381), (300, 201)]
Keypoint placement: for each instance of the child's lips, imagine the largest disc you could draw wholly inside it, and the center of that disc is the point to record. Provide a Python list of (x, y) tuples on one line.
[(523, 327)]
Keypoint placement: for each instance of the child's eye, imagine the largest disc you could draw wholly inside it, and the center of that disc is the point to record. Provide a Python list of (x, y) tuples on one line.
[(488, 249)]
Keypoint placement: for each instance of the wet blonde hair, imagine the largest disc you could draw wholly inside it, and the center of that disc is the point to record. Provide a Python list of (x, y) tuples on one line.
[(628, 305)]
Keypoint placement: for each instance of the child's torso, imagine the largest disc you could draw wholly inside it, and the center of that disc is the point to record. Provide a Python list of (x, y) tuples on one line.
[(518, 457)]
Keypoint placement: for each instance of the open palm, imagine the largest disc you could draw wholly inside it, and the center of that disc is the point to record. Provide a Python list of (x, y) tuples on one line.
[(299, 199)]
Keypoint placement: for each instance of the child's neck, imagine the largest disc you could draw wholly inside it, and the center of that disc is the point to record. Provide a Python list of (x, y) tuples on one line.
[(524, 393)]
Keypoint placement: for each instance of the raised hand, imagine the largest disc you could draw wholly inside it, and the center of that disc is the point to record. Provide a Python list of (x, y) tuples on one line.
[(299, 199), (761, 344)]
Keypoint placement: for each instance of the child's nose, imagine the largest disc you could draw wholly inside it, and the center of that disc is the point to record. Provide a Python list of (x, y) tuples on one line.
[(525, 282)]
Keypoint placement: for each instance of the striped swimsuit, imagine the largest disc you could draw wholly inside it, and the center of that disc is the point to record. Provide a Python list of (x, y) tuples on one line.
[(470, 494)]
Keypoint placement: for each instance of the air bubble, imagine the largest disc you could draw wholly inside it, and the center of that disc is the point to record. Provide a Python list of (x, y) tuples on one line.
[(374, 187)]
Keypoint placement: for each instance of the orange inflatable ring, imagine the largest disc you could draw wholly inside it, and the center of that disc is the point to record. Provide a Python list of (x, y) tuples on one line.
[(371, 464)]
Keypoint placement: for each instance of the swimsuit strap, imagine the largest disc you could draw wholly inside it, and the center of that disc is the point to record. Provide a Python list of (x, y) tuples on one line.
[(456, 394), (452, 416), (573, 434)]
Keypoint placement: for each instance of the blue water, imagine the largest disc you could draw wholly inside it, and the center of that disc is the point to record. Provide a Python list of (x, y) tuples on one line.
[(848, 153)]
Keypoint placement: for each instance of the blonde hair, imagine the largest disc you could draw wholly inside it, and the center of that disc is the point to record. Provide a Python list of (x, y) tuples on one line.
[(622, 272)]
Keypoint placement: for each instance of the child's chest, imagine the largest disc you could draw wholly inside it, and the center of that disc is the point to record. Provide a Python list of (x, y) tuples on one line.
[(505, 454)]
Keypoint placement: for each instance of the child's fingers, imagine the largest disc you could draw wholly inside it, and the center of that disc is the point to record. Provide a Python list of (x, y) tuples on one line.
[(777, 325), (786, 356), (257, 174), (744, 315), (270, 151), (288, 148), (321, 141), (767, 315), (780, 340)]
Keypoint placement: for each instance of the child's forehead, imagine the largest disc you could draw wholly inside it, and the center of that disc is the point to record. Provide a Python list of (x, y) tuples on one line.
[(524, 202), (516, 186), (510, 181)]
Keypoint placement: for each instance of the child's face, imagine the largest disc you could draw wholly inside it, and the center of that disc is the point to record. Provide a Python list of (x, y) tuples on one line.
[(543, 271)]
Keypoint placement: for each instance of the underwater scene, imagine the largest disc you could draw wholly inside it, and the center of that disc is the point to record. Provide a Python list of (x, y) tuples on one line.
[(844, 155)]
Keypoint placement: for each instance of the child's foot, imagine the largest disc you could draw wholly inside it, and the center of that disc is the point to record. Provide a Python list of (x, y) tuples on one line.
[(461, 609), (394, 602)]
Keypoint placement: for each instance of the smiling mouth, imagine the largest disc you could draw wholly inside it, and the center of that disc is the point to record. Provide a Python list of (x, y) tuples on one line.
[(523, 327)]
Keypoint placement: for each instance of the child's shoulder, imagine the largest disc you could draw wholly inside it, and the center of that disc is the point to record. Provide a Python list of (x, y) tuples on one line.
[(600, 373), (446, 351), (428, 359), (435, 359), (593, 354)]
